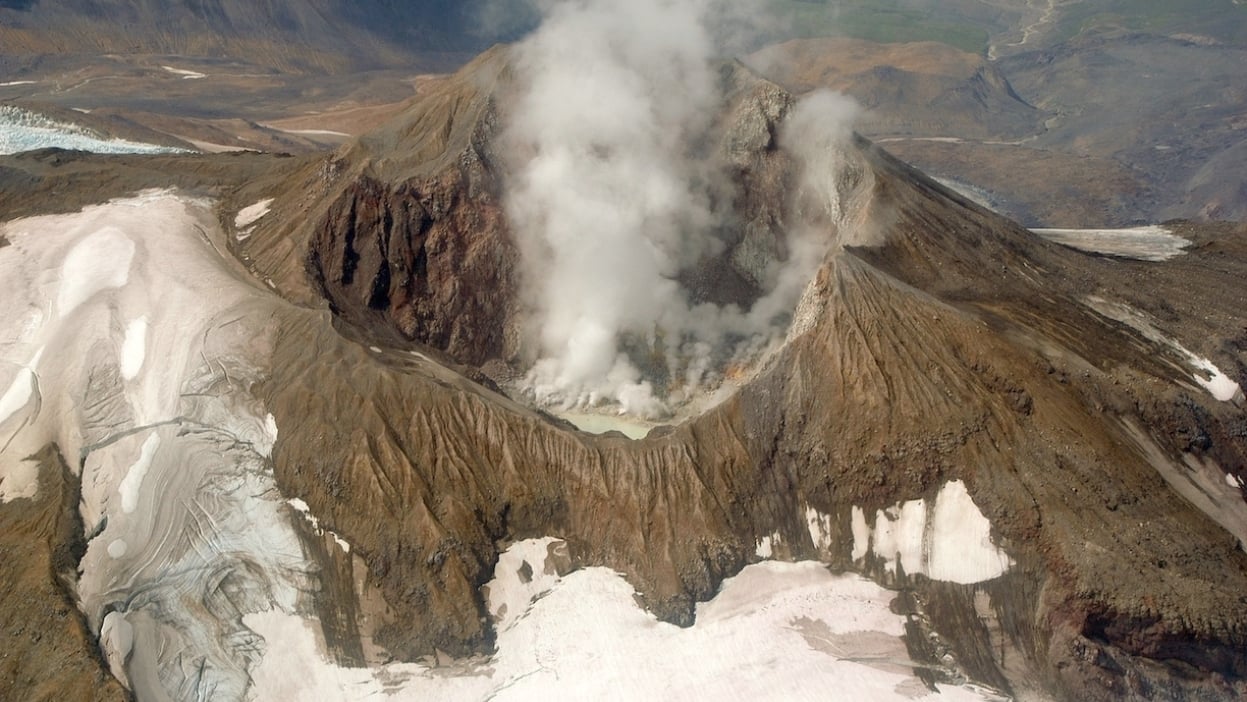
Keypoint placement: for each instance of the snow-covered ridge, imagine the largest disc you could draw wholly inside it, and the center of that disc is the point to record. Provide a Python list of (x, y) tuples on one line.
[(23, 130)]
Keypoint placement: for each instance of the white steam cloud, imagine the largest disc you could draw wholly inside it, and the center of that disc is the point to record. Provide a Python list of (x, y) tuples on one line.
[(609, 201)]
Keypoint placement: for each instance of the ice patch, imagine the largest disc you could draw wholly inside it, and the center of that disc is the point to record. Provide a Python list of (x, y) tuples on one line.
[(950, 540), (134, 348), (99, 262), (1198, 480), (132, 485)]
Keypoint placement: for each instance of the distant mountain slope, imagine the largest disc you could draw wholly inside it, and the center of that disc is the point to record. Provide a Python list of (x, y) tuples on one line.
[(313, 35)]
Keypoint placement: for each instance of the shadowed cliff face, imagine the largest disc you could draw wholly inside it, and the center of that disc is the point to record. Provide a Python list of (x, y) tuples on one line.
[(956, 346)]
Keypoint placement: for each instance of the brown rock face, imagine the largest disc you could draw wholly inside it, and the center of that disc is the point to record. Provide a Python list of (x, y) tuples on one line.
[(50, 655), (428, 259), (958, 346)]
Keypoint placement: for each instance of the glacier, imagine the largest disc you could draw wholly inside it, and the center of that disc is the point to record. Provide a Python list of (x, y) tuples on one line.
[(22, 130)]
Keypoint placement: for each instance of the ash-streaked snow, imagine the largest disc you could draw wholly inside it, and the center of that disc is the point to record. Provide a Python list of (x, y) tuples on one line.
[(23, 130), (1207, 375), (1198, 480), (776, 631)]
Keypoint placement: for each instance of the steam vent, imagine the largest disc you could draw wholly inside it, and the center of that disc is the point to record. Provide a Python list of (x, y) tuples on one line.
[(666, 384)]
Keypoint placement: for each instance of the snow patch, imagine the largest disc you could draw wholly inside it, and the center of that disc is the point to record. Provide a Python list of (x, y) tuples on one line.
[(20, 481), (819, 525), (1151, 243), (341, 542), (766, 546), (185, 74), (949, 540), (302, 508), (252, 213), (861, 534), (1218, 384), (132, 485)]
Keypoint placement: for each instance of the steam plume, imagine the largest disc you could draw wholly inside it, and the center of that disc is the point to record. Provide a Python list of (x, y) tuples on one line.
[(609, 202)]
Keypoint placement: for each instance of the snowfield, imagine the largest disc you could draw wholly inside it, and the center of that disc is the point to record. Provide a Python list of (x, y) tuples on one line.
[(776, 631)]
